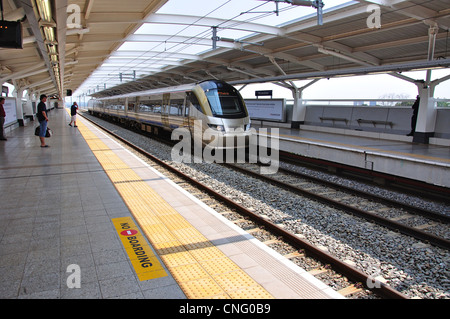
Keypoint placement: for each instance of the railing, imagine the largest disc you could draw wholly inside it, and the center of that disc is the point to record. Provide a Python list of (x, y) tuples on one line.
[(441, 103)]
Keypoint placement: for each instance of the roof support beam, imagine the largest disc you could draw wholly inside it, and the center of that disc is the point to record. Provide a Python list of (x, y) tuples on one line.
[(88, 9), (209, 22), (439, 81), (347, 55), (347, 10), (35, 69), (353, 71), (176, 19), (366, 59), (155, 54), (288, 57), (33, 85), (159, 39)]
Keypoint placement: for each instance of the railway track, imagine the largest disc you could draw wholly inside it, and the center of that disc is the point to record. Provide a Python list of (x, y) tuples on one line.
[(301, 248), (349, 200), (392, 182)]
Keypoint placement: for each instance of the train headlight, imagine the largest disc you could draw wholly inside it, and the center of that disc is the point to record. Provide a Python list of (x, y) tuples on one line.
[(216, 127)]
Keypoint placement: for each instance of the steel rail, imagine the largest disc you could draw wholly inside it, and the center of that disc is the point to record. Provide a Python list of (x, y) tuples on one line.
[(411, 209), (428, 190)]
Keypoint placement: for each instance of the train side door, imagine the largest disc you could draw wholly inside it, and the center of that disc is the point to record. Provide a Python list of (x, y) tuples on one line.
[(196, 117), (165, 108), (186, 111)]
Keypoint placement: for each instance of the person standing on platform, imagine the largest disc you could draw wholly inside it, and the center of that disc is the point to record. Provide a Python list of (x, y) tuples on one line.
[(415, 108), (73, 114), (2, 119), (43, 119)]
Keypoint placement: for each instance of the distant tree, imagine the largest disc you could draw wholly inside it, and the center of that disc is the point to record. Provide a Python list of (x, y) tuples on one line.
[(394, 96)]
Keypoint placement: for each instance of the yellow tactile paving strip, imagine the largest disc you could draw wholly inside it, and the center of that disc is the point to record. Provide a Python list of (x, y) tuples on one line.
[(200, 268)]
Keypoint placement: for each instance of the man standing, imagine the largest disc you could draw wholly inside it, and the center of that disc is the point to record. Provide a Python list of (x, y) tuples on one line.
[(415, 108), (42, 118), (73, 114), (2, 119)]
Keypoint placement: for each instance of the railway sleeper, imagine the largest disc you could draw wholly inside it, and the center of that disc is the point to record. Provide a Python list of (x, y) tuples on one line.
[(318, 271), (350, 290), (271, 241), (295, 254)]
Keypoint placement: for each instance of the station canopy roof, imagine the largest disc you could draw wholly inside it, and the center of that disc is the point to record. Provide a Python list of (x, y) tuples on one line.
[(109, 47)]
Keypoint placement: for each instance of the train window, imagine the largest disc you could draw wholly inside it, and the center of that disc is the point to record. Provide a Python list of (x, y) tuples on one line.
[(150, 104), (115, 104), (225, 101), (176, 107), (191, 99), (131, 103)]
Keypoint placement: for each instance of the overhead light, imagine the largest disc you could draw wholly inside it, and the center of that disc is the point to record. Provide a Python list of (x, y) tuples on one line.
[(45, 11), (52, 50), (49, 34), (48, 29), (77, 31)]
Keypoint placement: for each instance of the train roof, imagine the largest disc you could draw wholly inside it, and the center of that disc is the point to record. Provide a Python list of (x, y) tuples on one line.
[(171, 89)]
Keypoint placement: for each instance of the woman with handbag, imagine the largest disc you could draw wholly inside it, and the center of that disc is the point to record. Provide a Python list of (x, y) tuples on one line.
[(43, 119)]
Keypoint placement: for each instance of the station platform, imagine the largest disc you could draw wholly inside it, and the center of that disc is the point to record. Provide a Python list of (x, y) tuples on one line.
[(85, 218), (389, 154)]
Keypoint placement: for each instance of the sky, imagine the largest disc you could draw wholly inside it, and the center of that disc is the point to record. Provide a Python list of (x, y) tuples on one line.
[(358, 87)]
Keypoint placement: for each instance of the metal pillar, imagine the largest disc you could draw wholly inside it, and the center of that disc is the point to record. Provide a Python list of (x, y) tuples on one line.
[(426, 117), (19, 108), (299, 111)]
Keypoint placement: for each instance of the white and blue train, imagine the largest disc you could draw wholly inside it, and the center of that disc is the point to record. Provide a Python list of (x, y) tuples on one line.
[(216, 105)]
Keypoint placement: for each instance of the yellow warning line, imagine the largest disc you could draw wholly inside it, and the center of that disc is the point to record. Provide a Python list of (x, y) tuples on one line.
[(200, 268)]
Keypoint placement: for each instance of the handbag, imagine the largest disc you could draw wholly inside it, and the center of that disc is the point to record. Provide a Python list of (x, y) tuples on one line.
[(49, 132)]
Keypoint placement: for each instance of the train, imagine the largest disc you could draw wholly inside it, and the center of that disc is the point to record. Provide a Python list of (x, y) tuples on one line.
[(211, 110)]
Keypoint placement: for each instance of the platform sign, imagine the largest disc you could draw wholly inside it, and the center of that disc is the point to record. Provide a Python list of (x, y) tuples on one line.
[(267, 109), (10, 110), (263, 93), (144, 261)]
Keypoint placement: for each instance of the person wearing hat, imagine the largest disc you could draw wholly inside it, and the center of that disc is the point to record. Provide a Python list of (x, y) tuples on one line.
[(43, 119)]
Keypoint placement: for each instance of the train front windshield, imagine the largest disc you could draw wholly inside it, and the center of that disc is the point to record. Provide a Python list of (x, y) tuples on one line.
[(224, 100)]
